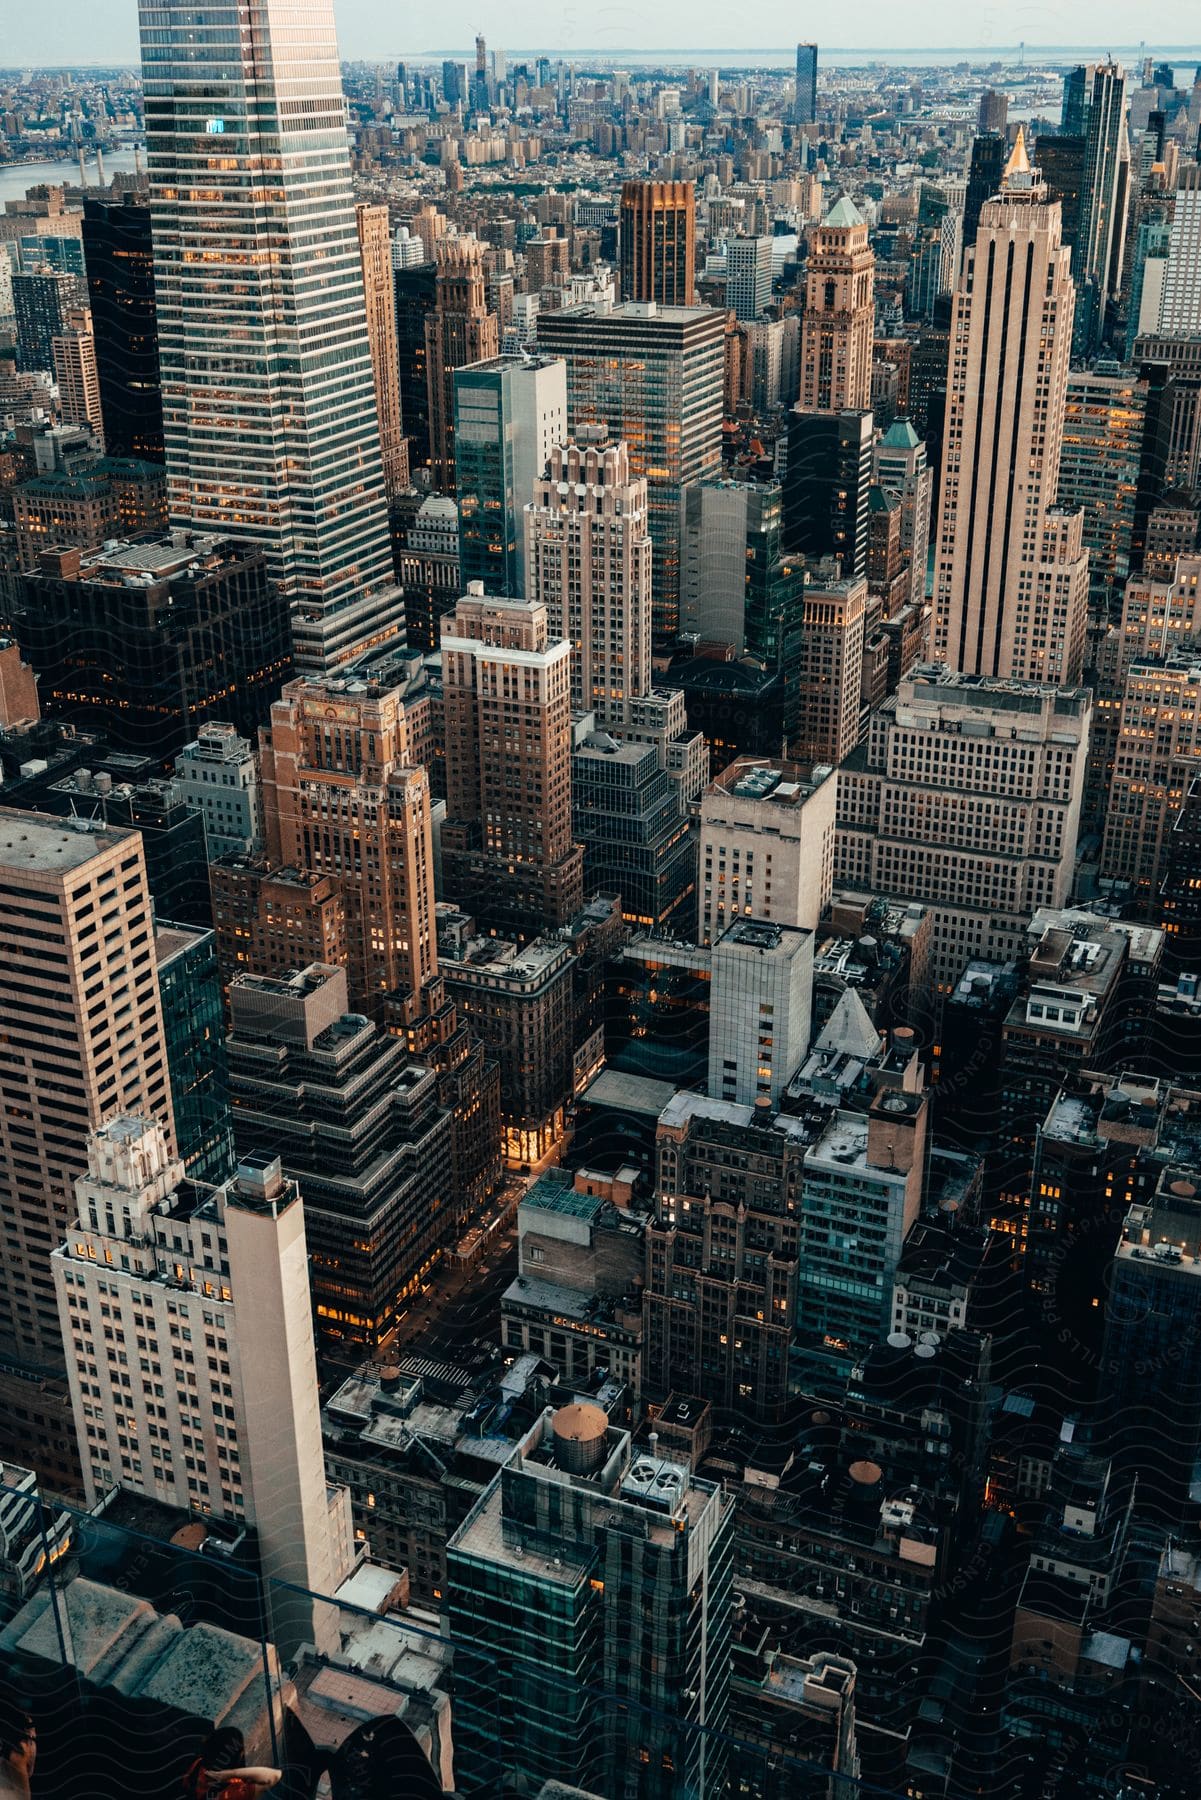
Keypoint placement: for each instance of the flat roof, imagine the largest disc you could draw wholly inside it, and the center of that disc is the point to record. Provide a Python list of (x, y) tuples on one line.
[(50, 845)]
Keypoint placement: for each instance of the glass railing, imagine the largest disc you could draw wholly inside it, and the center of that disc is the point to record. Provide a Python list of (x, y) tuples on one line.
[(126, 1647)]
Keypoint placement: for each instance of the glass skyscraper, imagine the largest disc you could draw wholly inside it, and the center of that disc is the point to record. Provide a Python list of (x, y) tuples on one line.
[(269, 410), (804, 110)]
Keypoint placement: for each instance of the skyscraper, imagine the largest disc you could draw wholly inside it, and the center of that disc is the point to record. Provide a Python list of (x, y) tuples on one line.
[(839, 319), (658, 242), (1180, 308), (1104, 197), (507, 852), (343, 795), (268, 395), (804, 109), (1010, 574), (653, 376), (989, 153), (83, 1040), (74, 352), (375, 251), (588, 561), (120, 263), (510, 412), (42, 298), (154, 1262), (590, 1564), (748, 275), (414, 286), (459, 330), (738, 586)]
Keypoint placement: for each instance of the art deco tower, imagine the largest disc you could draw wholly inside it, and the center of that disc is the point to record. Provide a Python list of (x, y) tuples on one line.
[(460, 330), (1011, 574), (840, 311), (588, 561), (269, 409)]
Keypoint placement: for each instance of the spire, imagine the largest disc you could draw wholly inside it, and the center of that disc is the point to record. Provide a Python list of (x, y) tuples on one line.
[(1019, 162)]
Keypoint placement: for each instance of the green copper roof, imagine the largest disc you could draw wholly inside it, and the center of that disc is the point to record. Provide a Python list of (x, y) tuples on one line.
[(900, 436), (842, 214)]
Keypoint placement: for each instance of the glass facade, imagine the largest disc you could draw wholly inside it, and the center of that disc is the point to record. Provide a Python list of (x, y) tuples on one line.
[(269, 412), (120, 260), (194, 1031), (655, 378)]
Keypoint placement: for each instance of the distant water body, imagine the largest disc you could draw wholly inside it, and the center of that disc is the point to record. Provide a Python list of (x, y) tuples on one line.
[(1185, 57), (17, 178)]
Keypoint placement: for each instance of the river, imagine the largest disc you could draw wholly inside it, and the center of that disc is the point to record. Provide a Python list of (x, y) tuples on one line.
[(17, 178)]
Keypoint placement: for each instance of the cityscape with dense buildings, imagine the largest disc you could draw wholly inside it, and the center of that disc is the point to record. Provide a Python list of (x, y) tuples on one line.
[(600, 889)]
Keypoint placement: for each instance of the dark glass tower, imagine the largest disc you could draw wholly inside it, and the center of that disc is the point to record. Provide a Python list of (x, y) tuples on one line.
[(120, 262), (804, 110), (416, 293)]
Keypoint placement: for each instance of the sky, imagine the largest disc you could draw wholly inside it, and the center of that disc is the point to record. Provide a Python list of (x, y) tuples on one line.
[(105, 31)]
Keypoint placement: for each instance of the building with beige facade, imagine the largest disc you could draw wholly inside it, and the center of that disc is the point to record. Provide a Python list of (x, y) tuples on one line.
[(829, 670), (460, 330), (375, 253), (767, 846), (1157, 754), (344, 795), (83, 1039), (1010, 572), (588, 561), (840, 313), (508, 857), (967, 797), (75, 371)]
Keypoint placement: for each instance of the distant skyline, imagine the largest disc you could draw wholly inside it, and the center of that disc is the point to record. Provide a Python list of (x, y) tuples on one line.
[(83, 32)]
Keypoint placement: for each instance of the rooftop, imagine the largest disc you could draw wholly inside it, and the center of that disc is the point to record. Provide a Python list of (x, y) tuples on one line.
[(50, 845)]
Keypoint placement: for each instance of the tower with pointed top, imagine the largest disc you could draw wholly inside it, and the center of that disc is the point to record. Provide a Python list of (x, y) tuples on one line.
[(839, 321), (1011, 572)]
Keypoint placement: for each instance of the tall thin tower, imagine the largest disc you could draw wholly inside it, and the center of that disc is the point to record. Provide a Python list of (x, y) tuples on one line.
[(1011, 573), (269, 413), (840, 312)]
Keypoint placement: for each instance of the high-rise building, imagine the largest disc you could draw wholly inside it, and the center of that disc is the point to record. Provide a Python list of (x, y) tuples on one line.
[(589, 1564), (218, 775), (510, 412), (992, 114), (760, 1007), (414, 287), (804, 106), (344, 796), (508, 857), (830, 670), (1156, 754), (153, 1262), (74, 352), (42, 299), (748, 276), (189, 986), (120, 263), (1111, 468), (739, 587), (900, 466), (268, 395), (827, 481), (839, 319), (429, 569), (147, 640), (658, 242), (653, 377), (84, 1040), (357, 1124), (459, 330), (967, 796), (767, 846), (375, 255), (588, 561), (632, 819), (1010, 573), (1180, 308), (1104, 197), (989, 154)]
